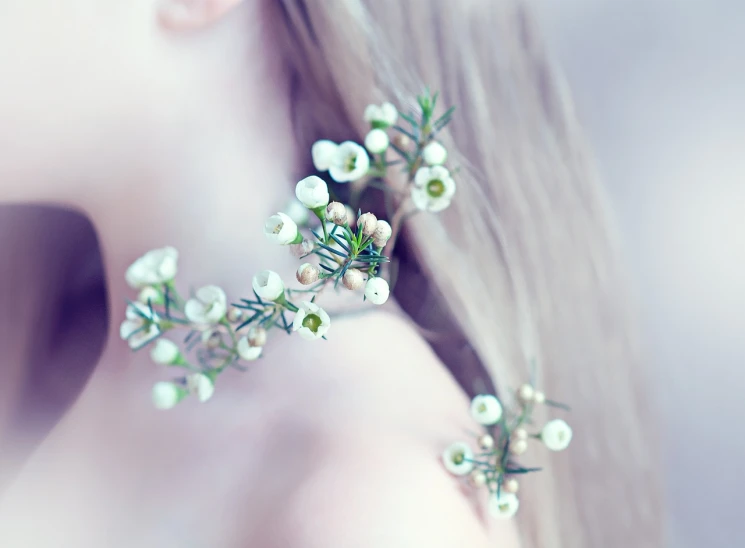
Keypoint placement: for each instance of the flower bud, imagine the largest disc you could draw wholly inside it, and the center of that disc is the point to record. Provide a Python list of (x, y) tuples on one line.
[(526, 393), (336, 212), (519, 447), (165, 352), (477, 478), (539, 397), (377, 141), (486, 441), (307, 274), (511, 485), (401, 141), (150, 295), (377, 290), (368, 223), (235, 314), (256, 336), (167, 394), (200, 385), (353, 279), (520, 434), (434, 154), (382, 234), (246, 351), (312, 192)]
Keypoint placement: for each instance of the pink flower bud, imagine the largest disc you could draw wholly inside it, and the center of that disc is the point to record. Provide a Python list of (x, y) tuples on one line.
[(307, 274), (353, 279)]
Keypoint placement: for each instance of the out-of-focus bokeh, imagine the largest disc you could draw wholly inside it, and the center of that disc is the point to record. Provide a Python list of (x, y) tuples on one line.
[(660, 87)]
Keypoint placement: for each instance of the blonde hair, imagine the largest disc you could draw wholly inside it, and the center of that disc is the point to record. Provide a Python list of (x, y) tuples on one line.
[(522, 267)]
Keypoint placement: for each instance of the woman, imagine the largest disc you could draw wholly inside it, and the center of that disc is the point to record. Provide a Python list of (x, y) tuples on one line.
[(185, 122)]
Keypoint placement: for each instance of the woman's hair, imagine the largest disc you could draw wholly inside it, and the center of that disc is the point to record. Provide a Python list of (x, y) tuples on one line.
[(521, 272)]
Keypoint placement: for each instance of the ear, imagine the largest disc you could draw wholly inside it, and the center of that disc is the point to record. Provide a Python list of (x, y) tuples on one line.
[(192, 14)]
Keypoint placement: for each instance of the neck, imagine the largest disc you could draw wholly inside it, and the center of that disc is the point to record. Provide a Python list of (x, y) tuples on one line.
[(202, 181)]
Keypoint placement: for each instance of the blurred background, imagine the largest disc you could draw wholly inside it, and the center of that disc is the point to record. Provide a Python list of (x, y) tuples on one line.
[(660, 87)]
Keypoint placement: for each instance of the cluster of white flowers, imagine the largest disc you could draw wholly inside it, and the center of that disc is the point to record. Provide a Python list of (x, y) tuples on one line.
[(506, 438), (346, 249)]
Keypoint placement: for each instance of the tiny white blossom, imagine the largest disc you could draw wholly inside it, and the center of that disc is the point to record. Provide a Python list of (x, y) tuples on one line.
[(140, 326), (503, 506), (150, 295), (208, 307), (486, 409), (311, 321), (323, 153), (200, 385), (433, 188), (312, 192), (381, 115), (377, 141), (167, 394), (556, 435), (246, 351), (154, 267), (281, 229), (458, 459), (268, 285), (165, 351), (350, 163), (434, 154), (377, 290), (526, 393)]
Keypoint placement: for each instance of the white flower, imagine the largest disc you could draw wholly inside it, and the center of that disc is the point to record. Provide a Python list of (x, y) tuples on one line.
[(281, 229), (165, 352), (458, 459), (208, 307), (312, 192), (503, 506), (297, 212), (433, 188), (486, 409), (201, 385), (377, 141), (150, 295), (268, 285), (246, 351), (311, 321), (350, 163), (556, 435), (381, 115), (323, 153), (167, 394), (154, 267), (434, 154), (377, 290), (140, 327)]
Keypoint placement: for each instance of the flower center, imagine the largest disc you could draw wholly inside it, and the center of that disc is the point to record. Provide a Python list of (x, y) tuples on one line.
[(482, 408), (435, 188), (351, 162), (458, 458), (312, 322), (278, 228), (504, 507)]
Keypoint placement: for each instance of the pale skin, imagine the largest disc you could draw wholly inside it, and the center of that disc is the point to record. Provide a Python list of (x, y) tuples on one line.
[(172, 128)]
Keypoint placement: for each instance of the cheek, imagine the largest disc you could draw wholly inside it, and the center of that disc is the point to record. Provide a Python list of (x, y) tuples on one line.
[(70, 77)]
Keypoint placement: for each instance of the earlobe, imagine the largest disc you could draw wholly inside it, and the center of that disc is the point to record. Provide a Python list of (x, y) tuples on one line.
[(192, 14)]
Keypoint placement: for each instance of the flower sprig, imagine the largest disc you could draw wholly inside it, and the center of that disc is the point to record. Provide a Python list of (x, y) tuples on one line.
[(506, 436), (344, 250)]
